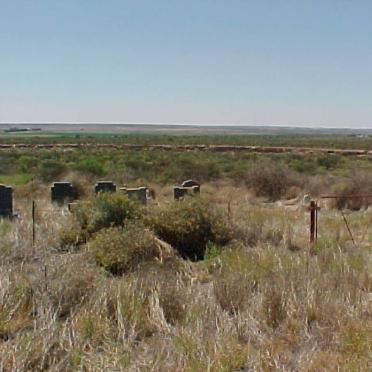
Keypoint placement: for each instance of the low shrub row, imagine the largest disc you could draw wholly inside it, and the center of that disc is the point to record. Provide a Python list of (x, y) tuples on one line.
[(122, 234)]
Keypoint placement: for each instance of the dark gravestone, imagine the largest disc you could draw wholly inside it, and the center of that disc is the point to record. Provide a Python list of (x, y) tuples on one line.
[(6, 201), (180, 192), (62, 191), (104, 186), (190, 183), (138, 193)]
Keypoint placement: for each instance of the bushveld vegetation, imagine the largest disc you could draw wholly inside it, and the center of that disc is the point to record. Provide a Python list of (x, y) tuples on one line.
[(269, 175), (222, 282), (330, 140)]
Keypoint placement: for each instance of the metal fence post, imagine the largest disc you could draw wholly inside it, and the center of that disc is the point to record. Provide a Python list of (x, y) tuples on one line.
[(33, 222), (312, 221)]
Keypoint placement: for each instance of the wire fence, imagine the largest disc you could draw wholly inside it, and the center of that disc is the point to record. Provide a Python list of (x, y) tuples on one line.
[(357, 231), (314, 219)]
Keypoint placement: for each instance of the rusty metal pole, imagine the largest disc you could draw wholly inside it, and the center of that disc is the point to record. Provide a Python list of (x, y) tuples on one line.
[(312, 221), (316, 221)]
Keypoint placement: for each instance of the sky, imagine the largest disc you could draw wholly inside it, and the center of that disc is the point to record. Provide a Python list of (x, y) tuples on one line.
[(242, 62)]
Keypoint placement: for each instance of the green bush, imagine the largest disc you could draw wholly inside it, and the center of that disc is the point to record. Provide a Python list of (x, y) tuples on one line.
[(189, 225), (359, 183), (51, 170), (305, 165), (106, 210), (27, 163), (270, 180), (328, 161), (120, 250), (91, 166), (71, 236)]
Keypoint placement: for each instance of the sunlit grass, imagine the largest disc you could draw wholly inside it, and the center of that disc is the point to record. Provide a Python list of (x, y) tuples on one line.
[(16, 179), (267, 301)]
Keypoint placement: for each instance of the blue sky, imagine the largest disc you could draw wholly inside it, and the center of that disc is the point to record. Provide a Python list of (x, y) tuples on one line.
[(293, 62)]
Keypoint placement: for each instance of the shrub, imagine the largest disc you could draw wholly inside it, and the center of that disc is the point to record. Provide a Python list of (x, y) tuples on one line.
[(359, 183), (270, 181), (121, 250), (106, 210), (71, 236), (328, 161), (50, 170), (91, 166), (304, 165), (26, 163), (188, 225)]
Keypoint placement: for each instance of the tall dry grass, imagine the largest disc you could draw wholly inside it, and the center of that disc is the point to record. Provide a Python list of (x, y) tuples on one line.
[(257, 304)]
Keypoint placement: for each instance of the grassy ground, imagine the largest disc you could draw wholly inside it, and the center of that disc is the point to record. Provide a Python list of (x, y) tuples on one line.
[(115, 286), (265, 301)]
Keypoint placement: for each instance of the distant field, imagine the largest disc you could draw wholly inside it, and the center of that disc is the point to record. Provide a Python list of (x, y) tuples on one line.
[(292, 140), (182, 134), (170, 165)]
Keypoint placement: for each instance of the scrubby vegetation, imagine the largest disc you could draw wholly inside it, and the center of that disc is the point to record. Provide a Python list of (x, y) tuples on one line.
[(358, 185), (91, 215), (189, 225), (281, 138), (273, 176), (121, 250), (222, 282), (272, 181), (105, 210), (253, 302)]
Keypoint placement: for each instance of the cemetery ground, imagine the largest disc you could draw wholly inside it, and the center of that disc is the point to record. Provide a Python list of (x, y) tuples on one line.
[(222, 281)]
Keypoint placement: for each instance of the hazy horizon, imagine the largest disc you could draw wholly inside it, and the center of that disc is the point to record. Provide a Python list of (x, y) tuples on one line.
[(87, 124), (243, 63)]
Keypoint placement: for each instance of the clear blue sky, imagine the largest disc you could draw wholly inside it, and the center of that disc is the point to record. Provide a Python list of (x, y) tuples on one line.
[(293, 62)]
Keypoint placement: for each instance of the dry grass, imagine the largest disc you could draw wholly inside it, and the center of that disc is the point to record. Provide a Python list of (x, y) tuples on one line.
[(258, 304), (360, 183)]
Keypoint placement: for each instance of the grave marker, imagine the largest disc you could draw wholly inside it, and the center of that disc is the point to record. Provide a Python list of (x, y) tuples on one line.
[(179, 192), (190, 183), (137, 193), (62, 191), (104, 186), (6, 201)]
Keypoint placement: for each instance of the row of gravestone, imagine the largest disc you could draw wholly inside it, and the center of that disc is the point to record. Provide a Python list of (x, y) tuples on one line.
[(65, 191)]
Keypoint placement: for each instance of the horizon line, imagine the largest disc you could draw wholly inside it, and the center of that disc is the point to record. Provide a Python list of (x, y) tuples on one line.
[(306, 126)]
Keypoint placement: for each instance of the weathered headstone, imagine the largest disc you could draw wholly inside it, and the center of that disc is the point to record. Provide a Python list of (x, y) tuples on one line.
[(62, 191), (138, 193), (179, 192), (6, 201), (190, 183), (104, 186)]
